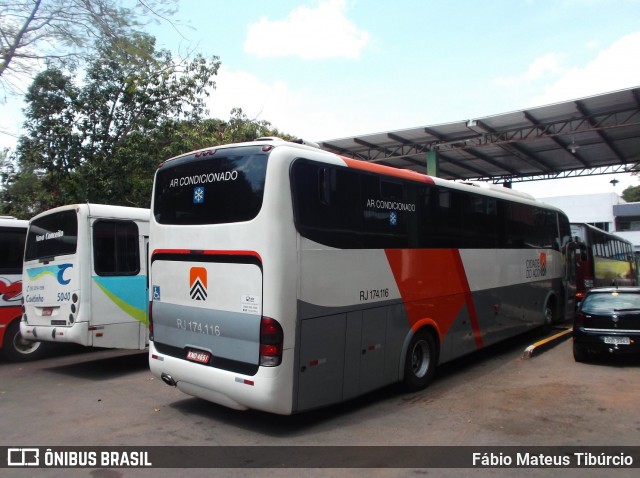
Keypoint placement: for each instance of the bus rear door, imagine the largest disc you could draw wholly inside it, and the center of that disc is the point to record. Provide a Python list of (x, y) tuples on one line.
[(119, 285)]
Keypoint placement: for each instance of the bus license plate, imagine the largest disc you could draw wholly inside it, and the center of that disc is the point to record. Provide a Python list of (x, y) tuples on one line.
[(198, 356), (617, 340)]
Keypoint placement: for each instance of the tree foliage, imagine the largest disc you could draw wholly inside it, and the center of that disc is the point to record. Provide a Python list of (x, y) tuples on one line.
[(631, 194), (51, 150), (99, 138), (37, 31), (79, 131), (126, 97)]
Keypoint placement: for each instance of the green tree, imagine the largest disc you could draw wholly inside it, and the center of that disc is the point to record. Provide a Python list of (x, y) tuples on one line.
[(83, 141), (102, 138), (127, 98), (631, 194), (48, 153)]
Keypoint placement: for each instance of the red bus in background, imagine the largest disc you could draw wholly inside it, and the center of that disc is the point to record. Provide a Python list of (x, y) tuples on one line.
[(13, 346)]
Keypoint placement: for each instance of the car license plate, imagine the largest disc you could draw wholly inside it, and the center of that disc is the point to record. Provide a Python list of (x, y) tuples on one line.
[(198, 356), (617, 340)]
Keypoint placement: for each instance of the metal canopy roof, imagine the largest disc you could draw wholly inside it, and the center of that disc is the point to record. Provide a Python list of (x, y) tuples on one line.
[(594, 135)]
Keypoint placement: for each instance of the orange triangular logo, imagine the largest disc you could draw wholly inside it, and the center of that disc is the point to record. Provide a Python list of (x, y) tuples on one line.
[(198, 283)]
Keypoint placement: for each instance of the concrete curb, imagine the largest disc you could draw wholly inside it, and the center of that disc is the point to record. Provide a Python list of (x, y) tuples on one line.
[(546, 343)]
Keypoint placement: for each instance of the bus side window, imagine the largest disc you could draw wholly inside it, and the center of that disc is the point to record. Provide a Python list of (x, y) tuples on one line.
[(115, 248), (12, 250)]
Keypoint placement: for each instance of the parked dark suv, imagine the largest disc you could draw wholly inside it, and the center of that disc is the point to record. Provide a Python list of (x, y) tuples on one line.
[(607, 321)]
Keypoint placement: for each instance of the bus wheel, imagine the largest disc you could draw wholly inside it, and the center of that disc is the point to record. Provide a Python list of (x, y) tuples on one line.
[(16, 348), (549, 314), (420, 362), (549, 318)]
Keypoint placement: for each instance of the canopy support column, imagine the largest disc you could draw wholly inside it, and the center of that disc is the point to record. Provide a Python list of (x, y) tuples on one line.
[(433, 163)]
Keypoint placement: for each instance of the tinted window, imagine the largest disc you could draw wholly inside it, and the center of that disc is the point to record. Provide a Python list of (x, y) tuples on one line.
[(346, 208), (458, 219), (115, 248), (566, 229), (11, 249), (326, 204), (387, 209), (224, 187), (52, 235)]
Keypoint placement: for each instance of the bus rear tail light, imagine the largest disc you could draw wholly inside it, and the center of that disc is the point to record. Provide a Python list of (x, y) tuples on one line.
[(271, 342), (74, 308)]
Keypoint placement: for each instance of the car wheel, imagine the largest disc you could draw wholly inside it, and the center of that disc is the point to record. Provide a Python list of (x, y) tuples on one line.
[(579, 355), (420, 361), (18, 349)]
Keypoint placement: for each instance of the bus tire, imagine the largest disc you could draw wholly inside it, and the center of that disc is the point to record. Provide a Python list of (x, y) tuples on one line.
[(420, 361), (17, 349), (550, 317)]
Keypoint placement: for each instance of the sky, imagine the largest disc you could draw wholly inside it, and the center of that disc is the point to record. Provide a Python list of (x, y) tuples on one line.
[(327, 69)]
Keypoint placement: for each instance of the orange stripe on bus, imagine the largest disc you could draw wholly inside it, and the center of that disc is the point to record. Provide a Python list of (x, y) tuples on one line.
[(387, 170), (433, 286), (471, 307)]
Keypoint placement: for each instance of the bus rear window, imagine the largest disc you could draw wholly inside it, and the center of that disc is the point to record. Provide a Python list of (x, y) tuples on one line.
[(224, 188), (52, 235)]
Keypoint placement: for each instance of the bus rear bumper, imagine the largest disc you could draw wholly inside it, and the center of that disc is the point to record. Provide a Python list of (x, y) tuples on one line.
[(264, 391), (77, 333)]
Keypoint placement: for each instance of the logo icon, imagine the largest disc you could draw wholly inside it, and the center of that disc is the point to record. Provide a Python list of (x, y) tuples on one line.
[(393, 218), (198, 195), (10, 291), (23, 457), (156, 292), (543, 264), (36, 273), (198, 283)]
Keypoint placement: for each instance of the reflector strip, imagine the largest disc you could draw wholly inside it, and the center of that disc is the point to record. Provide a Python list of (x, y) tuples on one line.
[(244, 381), (315, 362)]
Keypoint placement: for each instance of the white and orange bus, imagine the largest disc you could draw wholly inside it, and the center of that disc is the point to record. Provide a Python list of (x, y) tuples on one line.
[(286, 278)]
